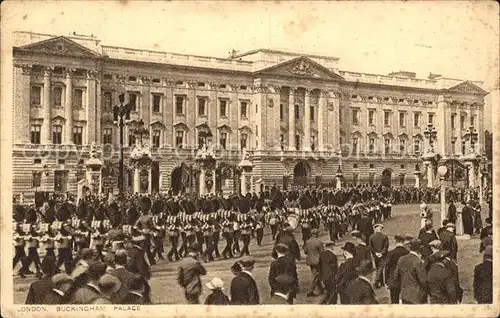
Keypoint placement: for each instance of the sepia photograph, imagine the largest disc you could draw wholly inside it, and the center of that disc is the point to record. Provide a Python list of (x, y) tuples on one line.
[(242, 153)]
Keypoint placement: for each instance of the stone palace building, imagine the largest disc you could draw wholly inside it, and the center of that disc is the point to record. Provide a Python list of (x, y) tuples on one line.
[(300, 118)]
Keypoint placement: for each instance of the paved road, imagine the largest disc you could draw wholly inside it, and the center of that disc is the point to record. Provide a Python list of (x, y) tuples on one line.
[(405, 220)]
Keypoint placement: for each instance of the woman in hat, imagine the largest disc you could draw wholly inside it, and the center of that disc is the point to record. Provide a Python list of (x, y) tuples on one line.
[(217, 297)]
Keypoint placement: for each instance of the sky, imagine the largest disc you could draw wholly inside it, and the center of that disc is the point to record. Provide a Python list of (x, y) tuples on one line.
[(455, 39)]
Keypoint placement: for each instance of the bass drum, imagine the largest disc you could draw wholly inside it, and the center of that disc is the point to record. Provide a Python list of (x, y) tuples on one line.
[(293, 220)]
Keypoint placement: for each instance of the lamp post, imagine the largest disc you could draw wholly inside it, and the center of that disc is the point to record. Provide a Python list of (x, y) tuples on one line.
[(429, 157), (430, 133), (442, 170), (119, 113), (140, 132)]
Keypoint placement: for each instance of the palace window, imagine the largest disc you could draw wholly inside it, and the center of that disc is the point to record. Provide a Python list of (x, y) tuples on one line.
[(179, 105), (431, 119), (156, 138), (473, 121), (107, 136), (36, 95), (201, 106), (108, 77), (179, 139), (402, 145), (78, 98), (156, 80), (57, 134), (223, 107), (297, 112), (58, 70), (387, 146), (355, 178), (132, 79), (60, 181), (453, 145), (77, 135), (463, 147), (132, 98), (243, 109), (371, 117), (387, 118), (131, 139), (223, 140), (36, 179), (107, 101), (297, 142), (416, 146), (201, 84), (35, 134), (371, 145), (402, 119), (282, 142), (355, 117), (312, 113), (281, 112), (57, 95), (340, 115), (453, 116), (243, 141), (371, 178), (462, 122), (416, 119), (402, 179), (156, 103), (355, 143), (313, 143)]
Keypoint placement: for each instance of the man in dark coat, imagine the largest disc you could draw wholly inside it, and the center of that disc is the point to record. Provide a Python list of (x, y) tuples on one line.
[(328, 268), (347, 271), (467, 219), (189, 274), (243, 287), (359, 291), (42, 287), (486, 229), (286, 237), (390, 266), (449, 240), (283, 265), (379, 245), (122, 274), (363, 255), (136, 286), (441, 280), (410, 275), (426, 235), (452, 212), (284, 285), (56, 296), (483, 278), (313, 248)]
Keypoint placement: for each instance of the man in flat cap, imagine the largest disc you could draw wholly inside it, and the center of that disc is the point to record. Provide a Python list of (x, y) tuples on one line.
[(328, 267), (189, 275), (390, 266), (313, 249), (347, 271), (244, 289), (449, 240), (410, 275), (379, 246), (283, 265)]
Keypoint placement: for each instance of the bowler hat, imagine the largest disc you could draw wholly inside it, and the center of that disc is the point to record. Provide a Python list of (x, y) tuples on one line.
[(61, 278), (281, 248), (415, 245), (247, 261), (97, 269), (109, 283), (349, 247)]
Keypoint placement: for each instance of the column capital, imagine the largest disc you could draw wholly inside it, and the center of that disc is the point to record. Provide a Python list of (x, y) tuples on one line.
[(308, 91), (47, 70), (26, 68), (192, 84), (91, 74), (325, 93), (275, 89), (260, 88), (293, 89), (146, 79), (69, 72)]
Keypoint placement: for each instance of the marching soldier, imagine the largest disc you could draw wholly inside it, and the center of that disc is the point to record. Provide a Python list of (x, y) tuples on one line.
[(18, 240), (32, 241), (63, 238), (228, 233), (145, 225), (159, 226), (173, 226), (245, 225)]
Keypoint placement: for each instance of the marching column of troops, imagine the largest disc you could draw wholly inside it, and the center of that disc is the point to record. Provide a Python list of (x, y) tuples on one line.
[(107, 246)]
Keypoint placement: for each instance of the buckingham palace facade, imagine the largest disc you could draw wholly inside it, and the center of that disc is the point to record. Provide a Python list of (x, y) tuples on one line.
[(300, 118)]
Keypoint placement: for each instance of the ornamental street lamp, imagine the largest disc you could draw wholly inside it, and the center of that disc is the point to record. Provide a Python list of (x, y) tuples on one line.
[(472, 134), (430, 133), (442, 170), (140, 131), (119, 113)]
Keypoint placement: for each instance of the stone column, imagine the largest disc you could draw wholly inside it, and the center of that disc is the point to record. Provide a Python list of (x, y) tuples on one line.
[(137, 181), (291, 119), (472, 174), (430, 174), (68, 109), (202, 181), (45, 133), (417, 179), (243, 182), (322, 105), (307, 120), (214, 188)]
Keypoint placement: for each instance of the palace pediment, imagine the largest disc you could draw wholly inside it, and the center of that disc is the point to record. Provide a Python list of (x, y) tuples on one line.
[(467, 88), (58, 46), (301, 66)]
